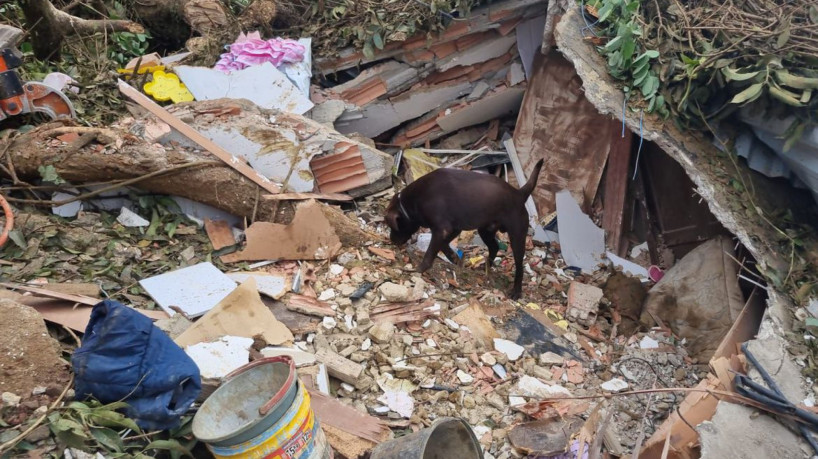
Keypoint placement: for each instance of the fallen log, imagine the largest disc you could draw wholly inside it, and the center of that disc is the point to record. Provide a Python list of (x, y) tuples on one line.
[(123, 156), (149, 155)]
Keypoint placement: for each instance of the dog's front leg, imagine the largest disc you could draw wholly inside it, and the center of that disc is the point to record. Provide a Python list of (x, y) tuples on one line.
[(435, 246)]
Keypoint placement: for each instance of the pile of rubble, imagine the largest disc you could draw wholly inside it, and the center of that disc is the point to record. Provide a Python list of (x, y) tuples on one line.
[(207, 219), (419, 90)]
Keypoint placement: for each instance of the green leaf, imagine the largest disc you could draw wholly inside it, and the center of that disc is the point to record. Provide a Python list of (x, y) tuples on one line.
[(794, 136), (652, 54), (155, 222), (377, 40), (604, 12), (732, 75), (369, 52), (614, 44), (813, 14), (783, 38), (795, 81), (627, 49), (638, 81), (750, 94), (688, 61), (169, 445), (788, 97), (65, 425), (19, 240), (112, 419), (650, 86), (108, 438)]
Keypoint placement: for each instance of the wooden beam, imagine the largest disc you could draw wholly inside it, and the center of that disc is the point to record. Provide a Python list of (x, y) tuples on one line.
[(616, 188)]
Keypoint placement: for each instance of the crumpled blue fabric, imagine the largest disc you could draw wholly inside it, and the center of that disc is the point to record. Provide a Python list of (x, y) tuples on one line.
[(124, 357)]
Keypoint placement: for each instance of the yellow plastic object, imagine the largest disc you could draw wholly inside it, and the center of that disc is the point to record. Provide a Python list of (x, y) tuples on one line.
[(533, 306), (166, 86), (473, 261), (557, 318), (142, 70)]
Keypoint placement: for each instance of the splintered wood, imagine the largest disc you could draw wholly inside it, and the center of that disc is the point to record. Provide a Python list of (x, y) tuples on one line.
[(336, 414), (310, 306), (404, 312)]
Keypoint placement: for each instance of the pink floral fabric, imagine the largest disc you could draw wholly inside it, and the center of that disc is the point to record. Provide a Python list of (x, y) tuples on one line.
[(250, 50)]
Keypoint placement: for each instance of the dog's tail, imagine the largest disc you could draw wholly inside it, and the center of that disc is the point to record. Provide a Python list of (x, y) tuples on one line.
[(526, 189)]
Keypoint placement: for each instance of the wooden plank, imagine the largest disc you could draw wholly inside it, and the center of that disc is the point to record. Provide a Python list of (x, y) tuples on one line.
[(340, 367), (194, 135), (616, 187), (220, 234), (333, 413), (303, 196), (557, 123), (81, 299), (309, 306)]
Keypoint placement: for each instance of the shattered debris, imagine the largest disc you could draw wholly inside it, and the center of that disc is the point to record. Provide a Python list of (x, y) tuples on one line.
[(211, 221)]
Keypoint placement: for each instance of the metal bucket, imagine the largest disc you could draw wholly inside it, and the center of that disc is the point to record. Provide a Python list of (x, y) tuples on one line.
[(261, 410), (448, 438)]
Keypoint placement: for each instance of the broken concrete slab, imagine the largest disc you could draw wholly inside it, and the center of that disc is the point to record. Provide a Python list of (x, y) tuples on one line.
[(301, 358), (754, 234), (30, 356), (583, 303), (736, 432)]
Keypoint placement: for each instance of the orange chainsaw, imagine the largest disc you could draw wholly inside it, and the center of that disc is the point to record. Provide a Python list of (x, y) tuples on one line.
[(17, 98)]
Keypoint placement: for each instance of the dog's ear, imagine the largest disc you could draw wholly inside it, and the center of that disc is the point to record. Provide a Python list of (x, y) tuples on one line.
[(391, 218)]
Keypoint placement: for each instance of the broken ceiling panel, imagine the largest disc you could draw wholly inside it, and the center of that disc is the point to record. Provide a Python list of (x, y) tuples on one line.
[(281, 145)]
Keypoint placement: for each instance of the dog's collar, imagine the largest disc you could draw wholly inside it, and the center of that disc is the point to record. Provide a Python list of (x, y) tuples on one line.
[(403, 209)]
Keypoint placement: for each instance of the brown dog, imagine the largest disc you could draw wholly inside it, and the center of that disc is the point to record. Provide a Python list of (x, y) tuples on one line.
[(449, 201)]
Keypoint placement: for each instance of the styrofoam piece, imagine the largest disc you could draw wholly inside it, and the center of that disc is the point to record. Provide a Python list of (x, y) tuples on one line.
[(195, 289)]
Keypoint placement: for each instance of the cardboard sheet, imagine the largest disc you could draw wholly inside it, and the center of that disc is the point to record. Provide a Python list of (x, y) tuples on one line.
[(310, 236), (241, 313)]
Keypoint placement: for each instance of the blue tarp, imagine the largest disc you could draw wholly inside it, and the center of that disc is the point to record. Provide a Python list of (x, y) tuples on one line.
[(125, 357)]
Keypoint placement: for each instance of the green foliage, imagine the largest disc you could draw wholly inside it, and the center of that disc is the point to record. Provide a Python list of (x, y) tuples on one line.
[(126, 46), (49, 174), (371, 25), (706, 66), (628, 60), (94, 427)]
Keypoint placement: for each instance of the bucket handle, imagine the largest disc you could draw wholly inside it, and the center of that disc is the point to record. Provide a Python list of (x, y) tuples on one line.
[(264, 409)]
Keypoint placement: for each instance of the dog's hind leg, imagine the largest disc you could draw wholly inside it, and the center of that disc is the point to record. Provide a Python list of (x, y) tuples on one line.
[(489, 238), (516, 235)]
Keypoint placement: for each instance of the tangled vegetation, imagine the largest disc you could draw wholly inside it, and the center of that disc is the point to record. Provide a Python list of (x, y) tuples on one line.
[(713, 57), (370, 24)]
